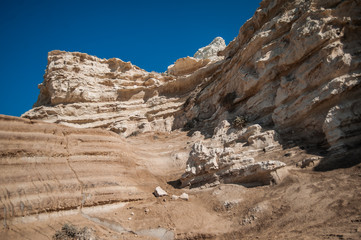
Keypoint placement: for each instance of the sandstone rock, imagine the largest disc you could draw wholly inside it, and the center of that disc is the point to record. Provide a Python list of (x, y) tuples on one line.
[(201, 58), (294, 67), (159, 192), (264, 140), (208, 165), (187, 65), (81, 169), (211, 51), (229, 157), (342, 123), (87, 92)]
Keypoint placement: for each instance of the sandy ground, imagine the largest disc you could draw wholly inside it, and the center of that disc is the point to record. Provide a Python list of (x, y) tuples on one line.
[(306, 204)]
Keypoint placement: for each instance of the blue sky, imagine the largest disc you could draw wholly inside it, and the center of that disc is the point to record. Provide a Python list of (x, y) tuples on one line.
[(150, 34)]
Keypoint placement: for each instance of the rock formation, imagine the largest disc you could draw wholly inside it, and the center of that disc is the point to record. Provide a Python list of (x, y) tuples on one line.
[(229, 157), (295, 66), (291, 75), (51, 168), (87, 92), (211, 51), (201, 58)]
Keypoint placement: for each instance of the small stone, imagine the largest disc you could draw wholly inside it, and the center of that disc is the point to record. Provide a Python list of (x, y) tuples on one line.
[(132, 213), (129, 218), (159, 192), (184, 196), (175, 197)]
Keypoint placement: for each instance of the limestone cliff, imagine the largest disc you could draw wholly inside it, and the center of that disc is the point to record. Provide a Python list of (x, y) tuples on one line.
[(292, 73), (294, 67)]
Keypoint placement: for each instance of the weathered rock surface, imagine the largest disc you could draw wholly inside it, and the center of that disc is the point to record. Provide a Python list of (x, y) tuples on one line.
[(47, 168), (159, 192), (295, 66), (294, 70), (87, 92), (187, 65), (228, 157), (204, 56), (211, 51)]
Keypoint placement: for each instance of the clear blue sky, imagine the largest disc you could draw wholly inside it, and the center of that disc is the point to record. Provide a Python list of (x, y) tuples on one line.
[(150, 34)]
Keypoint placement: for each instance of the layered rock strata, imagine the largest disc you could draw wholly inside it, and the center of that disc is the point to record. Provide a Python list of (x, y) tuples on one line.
[(87, 92), (229, 157), (295, 67), (47, 168), (204, 56)]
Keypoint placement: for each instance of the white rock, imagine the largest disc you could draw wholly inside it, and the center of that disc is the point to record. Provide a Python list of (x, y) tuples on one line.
[(159, 192), (208, 165), (263, 140), (187, 65), (210, 51), (184, 196)]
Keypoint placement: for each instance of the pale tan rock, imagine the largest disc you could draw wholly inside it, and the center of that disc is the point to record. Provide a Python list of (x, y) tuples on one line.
[(294, 69), (60, 171), (211, 51), (220, 160), (187, 65), (294, 66), (289, 69), (264, 140)]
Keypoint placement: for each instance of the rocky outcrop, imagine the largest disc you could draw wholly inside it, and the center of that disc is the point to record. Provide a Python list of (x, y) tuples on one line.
[(294, 67), (201, 58), (229, 157), (87, 92), (293, 72), (211, 51), (48, 168), (187, 65)]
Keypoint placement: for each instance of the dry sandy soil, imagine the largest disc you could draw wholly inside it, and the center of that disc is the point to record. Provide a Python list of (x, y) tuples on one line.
[(306, 204)]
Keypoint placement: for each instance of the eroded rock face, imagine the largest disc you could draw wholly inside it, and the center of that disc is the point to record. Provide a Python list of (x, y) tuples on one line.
[(295, 67), (228, 157), (211, 51), (87, 92), (48, 168), (187, 65), (201, 58)]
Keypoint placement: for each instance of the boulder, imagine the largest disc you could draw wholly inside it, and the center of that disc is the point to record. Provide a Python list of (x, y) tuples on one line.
[(159, 192)]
